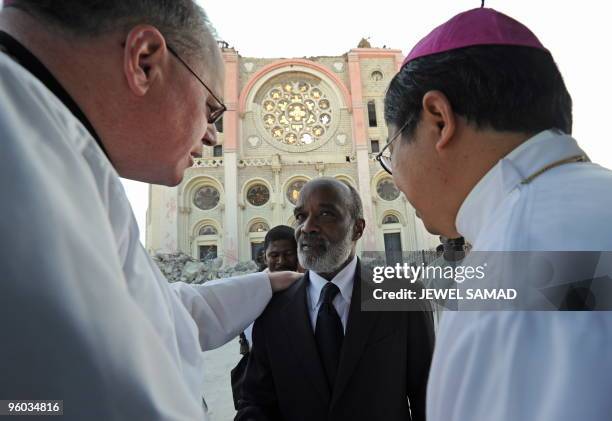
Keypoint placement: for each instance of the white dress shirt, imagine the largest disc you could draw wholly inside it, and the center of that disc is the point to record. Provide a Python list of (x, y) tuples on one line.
[(342, 301), (87, 315), (545, 366)]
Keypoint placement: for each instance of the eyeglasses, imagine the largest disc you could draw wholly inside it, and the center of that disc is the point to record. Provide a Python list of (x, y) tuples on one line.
[(385, 160), (215, 113)]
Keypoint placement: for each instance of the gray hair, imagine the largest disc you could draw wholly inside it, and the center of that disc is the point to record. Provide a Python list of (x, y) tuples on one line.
[(355, 205), (183, 23)]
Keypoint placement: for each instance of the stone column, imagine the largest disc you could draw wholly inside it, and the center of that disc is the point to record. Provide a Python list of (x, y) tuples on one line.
[(162, 216), (361, 149), (230, 150), (411, 226), (277, 194)]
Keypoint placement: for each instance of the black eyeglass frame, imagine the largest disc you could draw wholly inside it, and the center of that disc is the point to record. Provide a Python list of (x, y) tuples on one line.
[(380, 158), (216, 114)]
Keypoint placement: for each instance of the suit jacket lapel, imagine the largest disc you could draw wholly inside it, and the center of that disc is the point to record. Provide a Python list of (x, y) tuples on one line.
[(299, 331), (358, 329)]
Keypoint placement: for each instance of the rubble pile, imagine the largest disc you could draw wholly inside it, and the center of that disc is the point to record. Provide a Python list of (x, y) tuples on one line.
[(180, 267)]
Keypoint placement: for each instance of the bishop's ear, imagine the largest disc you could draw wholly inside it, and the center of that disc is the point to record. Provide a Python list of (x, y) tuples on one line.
[(439, 116), (145, 58)]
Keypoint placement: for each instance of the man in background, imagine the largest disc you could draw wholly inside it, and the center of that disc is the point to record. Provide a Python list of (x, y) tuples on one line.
[(451, 254)]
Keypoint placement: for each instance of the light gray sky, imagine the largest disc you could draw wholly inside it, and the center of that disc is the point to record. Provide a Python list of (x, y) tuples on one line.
[(577, 33)]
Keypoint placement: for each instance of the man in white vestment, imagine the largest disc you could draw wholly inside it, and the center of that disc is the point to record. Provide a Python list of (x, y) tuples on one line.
[(90, 91), (480, 128)]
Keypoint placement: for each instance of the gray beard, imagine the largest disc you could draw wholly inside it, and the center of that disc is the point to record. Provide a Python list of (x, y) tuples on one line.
[(329, 262)]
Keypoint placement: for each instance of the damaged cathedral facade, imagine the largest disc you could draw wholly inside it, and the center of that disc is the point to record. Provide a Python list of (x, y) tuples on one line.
[(288, 121)]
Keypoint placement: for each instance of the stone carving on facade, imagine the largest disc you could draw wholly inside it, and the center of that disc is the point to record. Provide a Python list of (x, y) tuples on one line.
[(254, 162), (320, 167), (276, 163), (207, 162), (253, 142), (376, 76), (364, 43)]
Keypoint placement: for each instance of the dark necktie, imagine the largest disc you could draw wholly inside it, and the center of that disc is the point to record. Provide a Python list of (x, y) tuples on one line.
[(329, 333)]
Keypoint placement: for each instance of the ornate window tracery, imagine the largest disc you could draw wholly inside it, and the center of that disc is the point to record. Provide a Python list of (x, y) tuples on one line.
[(296, 112), (258, 195), (259, 227), (390, 219), (206, 197), (207, 230), (293, 191), (387, 190)]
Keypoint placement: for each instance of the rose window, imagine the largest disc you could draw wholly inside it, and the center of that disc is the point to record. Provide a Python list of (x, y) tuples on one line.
[(293, 191), (387, 190), (296, 112), (258, 195), (206, 197)]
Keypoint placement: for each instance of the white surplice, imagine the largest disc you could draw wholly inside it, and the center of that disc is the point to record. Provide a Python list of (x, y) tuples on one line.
[(541, 366), (85, 314)]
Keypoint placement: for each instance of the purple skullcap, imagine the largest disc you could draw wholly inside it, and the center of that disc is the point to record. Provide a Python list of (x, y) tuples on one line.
[(482, 26)]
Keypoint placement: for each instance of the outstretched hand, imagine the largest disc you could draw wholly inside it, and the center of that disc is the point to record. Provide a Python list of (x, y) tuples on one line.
[(282, 280)]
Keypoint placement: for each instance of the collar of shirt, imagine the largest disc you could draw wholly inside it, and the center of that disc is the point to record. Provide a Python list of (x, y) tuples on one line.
[(343, 280), (27, 60), (532, 155)]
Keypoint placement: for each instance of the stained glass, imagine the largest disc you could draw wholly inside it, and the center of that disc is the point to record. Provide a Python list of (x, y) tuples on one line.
[(258, 195), (390, 219), (296, 112), (206, 197), (387, 190), (207, 230), (293, 191)]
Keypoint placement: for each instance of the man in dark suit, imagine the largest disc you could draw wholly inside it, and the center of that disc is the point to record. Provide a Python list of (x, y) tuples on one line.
[(316, 356)]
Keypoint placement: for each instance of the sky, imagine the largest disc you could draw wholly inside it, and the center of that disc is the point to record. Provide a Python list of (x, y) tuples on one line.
[(577, 33)]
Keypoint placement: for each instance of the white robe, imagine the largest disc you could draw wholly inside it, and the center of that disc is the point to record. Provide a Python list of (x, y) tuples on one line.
[(544, 366), (85, 314)]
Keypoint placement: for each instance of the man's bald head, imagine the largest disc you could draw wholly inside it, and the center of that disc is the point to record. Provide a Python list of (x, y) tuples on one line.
[(126, 63), (351, 197)]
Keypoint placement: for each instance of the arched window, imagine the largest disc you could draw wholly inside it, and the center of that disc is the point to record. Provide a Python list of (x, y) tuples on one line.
[(206, 197), (390, 219), (258, 194), (207, 230), (293, 191), (376, 76), (259, 227), (387, 190)]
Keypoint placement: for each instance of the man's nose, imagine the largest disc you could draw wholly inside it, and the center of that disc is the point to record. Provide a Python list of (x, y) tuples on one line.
[(283, 260), (210, 137), (310, 225)]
